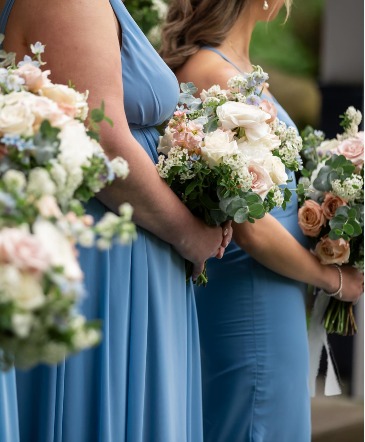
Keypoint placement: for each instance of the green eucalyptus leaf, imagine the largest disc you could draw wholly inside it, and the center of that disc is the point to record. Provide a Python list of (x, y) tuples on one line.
[(241, 215), (257, 210), (347, 228)]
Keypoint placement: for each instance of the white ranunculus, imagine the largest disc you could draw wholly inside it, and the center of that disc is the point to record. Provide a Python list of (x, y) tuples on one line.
[(165, 142), (59, 248), (217, 144), (276, 169), (16, 116), (235, 114)]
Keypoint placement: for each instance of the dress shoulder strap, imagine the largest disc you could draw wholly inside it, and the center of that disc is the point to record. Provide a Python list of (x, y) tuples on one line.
[(5, 15), (217, 51)]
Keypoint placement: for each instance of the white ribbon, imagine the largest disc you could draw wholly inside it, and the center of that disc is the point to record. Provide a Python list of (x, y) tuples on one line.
[(317, 336)]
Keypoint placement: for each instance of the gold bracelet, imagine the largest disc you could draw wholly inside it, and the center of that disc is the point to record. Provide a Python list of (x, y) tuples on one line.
[(339, 290)]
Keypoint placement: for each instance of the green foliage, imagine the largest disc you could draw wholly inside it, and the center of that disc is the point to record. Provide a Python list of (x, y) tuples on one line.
[(294, 46), (336, 168), (143, 13)]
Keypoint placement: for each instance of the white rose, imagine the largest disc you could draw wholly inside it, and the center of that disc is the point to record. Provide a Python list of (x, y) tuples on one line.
[(276, 169), (166, 142), (254, 152), (217, 144), (16, 115), (59, 248), (251, 118)]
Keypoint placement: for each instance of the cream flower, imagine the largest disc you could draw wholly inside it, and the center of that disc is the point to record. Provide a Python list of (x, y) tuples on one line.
[(261, 180), (34, 77), (16, 117), (217, 144), (60, 250), (73, 103), (20, 248), (233, 114)]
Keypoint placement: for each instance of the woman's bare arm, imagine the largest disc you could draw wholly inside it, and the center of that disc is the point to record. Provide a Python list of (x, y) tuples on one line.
[(82, 46), (267, 240)]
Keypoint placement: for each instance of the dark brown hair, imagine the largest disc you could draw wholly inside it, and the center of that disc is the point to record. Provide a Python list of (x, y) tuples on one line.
[(191, 24)]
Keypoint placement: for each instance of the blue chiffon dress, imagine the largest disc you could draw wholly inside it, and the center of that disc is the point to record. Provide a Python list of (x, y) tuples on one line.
[(8, 408), (254, 347), (143, 383)]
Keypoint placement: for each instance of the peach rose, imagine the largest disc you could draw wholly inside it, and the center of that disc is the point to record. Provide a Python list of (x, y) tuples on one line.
[(269, 108), (23, 250), (34, 77), (311, 218), (330, 204), (353, 149), (332, 251), (261, 180)]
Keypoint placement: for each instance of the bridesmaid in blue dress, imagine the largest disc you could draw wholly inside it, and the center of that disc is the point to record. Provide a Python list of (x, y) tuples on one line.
[(252, 316), (143, 382)]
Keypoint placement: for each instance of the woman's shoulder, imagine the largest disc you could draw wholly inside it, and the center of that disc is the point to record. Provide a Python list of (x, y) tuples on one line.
[(206, 68)]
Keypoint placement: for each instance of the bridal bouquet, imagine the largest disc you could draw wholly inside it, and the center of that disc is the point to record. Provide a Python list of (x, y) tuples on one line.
[(49, 162), (332, 198), (225, 154)]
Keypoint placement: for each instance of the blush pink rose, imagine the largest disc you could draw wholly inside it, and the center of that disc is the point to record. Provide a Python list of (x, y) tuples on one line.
[(330, 204), (23, 250), (353, 149), (261, 180), (311, 218), (269, 108), (332, 251), (34, 77)]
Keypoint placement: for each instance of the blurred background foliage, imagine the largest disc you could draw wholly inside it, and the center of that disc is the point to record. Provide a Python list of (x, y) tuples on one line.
[(289, 52), (294, 45)]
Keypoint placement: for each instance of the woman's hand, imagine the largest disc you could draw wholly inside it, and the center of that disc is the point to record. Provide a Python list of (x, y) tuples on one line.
[(201, 242), (352, 284), (227, 232)]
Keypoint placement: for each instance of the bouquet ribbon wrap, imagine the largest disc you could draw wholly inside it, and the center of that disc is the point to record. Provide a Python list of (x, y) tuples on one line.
[(317, 336)]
